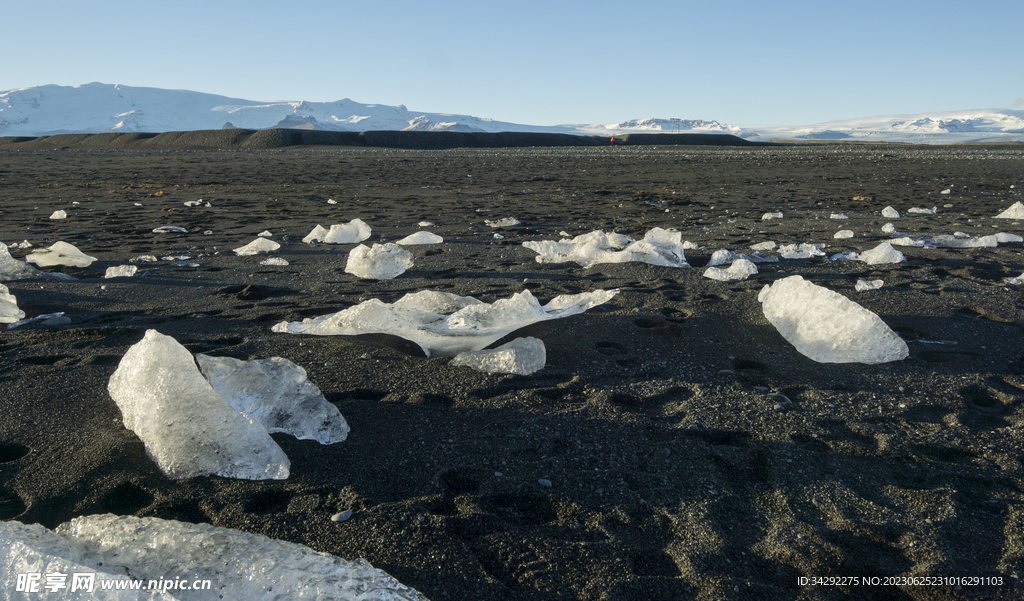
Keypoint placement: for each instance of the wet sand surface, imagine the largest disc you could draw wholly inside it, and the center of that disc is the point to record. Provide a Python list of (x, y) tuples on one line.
[(676, 469)]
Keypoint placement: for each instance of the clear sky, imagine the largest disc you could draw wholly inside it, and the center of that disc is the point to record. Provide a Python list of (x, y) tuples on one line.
[(740, 62)]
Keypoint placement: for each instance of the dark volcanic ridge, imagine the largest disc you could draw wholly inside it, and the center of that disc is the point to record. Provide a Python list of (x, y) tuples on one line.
[(265, 139)]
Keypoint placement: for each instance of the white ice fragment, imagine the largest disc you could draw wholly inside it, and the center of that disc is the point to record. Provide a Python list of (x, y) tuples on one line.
[(800, 251), (425, 224), (687, 245), (188, 429), (1016, 211), (918, 211), (259, 246), (350, 233), (845, 256), (884, 253), (1017, 280), (380, 262), (120, 271), (144, 259), (659, 247), (946, 191), (1003, 238), (961, 235), (838, 216), (331, 201), (23, 245), (770, 216), (193, 203), (265, 234), (908, 241), (842, 234), (888, 229), (13, 269), (277, 394), (498, 236), (446, 324), (239, 565), (59, 215), (890, 213), (166, 229), (865, 285), (9, 311), (769, 245), (60, 253), (274, 261), (740, 269), (506, 222), (826, 326), (722, 256), (949, 241), (420, 238), (522, 357), (48, 319)]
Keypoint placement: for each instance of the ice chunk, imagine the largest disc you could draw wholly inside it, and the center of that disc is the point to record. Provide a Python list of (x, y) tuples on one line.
[(1016, 211), (770, 216), (331, 201), (259, 246), (380, 262), (48, 319), (1003, 238), (265, 234), (12, 269), (769, 245), (838, 216), (947, 191), (842, 234), (948, 241), (918, 211), (9, 311), (800, 251), (276, 261), (425, 224), (845, 256), (420, 238), (446, 324), (722, 256), (908, 241), (890, 213), (144, 259), (522, 357), (740, 269), (240, 566), (350, 233), (828, 327), (888, 229), (188, 429), (659, 247), (277, 394), (1017, 280), (865, 285), (884, 253), (60, 253), (167, 229), (506, 222), (59, 215), (121, 271)]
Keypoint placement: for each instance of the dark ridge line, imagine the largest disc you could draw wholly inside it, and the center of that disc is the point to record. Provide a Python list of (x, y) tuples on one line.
[(268, 139)]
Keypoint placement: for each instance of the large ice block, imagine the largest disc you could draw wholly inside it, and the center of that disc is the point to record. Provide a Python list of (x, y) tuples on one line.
[(826, 326), (277, 394), (379, 262), (188, 429)]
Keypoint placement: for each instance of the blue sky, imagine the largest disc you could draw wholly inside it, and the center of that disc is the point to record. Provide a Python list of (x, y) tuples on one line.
[(745, 63)]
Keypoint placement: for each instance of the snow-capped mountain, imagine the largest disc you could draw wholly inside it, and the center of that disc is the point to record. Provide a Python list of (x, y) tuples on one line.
[(97, 107)]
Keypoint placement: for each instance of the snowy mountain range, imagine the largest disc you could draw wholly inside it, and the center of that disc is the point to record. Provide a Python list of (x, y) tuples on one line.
[(97, 107)]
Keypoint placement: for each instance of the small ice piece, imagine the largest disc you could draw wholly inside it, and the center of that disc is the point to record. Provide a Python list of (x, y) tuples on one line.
[(239, 565), (908, 241), (961, 235), (331, 201), (888, 229), (121, 271), (274, 261), (144, 259), (13, 269), (1017, 280), (167, 229), (740, 269), (826, 326), (277, 394), (845, 256), (265, 234), (498, 236), (882, 254), (947, 191), (445, 324), (23, 245), (522, 357), (865, 285), (379, 262), (722, 256), (769, 245), (687, 245), (59, 215), (259, 246), (506, 222), (838, 216), (1003, 238), (841, 234), (420, 238), (918, 211), (49, 319), (890, 213), (173, 258), (425, 224), (193, 203), (800, 251), (770, 216), (350, 233), (9, 311), (188, 429), (1016, 211), (60, 253), (659, 247)]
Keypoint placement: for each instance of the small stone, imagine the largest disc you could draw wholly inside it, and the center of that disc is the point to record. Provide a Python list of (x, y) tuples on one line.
[(544, 482), (341, 516), (662, 454), (498, 474)]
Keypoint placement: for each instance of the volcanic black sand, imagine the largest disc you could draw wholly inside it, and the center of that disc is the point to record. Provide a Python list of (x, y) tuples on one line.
[(676, 469)]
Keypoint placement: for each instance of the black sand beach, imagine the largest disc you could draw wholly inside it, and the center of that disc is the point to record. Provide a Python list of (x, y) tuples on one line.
[(676, 470)]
